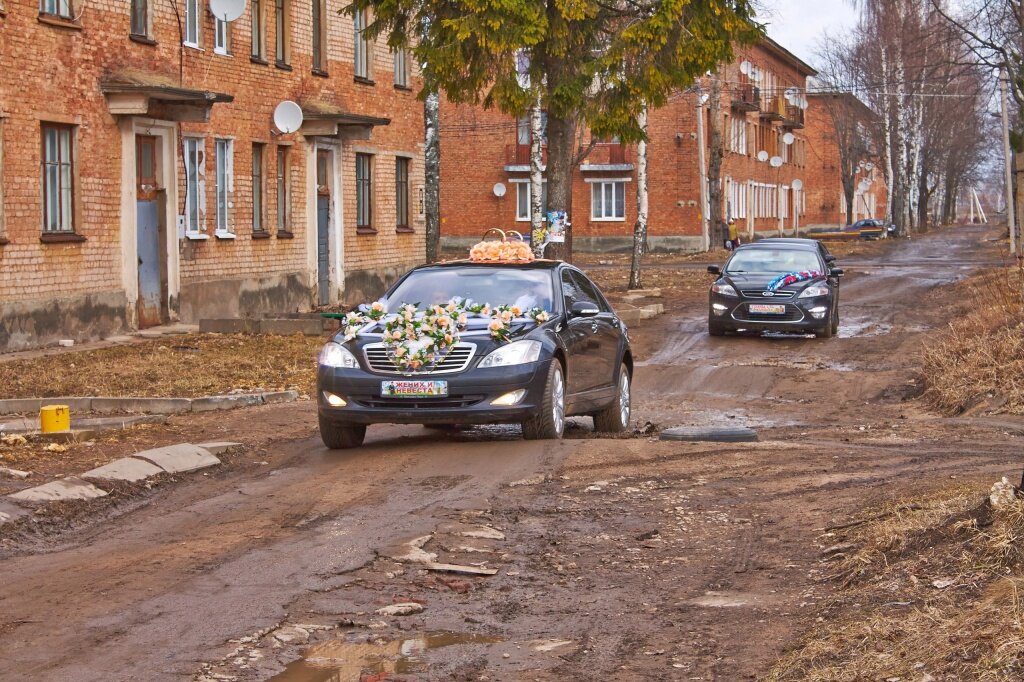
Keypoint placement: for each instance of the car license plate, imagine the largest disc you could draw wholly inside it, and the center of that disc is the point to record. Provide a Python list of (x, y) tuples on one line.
[(413, 389), (768, 309)]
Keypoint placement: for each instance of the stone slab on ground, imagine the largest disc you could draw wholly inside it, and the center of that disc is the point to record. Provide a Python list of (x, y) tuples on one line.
[(177, 459), (10, 512), (225, 402), (230, 325), (630, 315), (731, 434), (219, 447), (289, 327), (129, 469), (274, 397), (70, 488), (148, 405), (33, 405)]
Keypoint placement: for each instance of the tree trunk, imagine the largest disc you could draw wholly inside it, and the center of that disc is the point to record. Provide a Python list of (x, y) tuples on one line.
[(715, 153), (850, 193), (536, 176), (432, 174), (561, 152), (640, 228)]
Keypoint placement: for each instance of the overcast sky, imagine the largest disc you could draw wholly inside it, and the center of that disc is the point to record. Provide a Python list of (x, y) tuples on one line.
[(798, 25)]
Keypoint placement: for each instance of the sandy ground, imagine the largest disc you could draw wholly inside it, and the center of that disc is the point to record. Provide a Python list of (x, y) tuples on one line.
[(616, 559)]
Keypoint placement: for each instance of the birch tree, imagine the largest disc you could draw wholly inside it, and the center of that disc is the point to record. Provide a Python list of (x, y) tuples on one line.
[(640, 227)]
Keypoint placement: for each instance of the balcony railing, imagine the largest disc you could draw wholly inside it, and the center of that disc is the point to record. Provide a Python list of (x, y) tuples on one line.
[(774, 109), (794, 117), (608, 154), (519, 154), (746, 97)]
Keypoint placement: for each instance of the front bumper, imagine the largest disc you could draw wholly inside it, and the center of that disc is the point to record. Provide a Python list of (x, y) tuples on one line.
[(469, 398), (800, 316)]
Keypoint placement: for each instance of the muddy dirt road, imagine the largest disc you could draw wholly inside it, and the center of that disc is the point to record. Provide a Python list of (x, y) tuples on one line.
[(615, 559)]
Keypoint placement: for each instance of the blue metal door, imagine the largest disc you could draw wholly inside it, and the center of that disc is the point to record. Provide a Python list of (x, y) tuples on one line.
[(147, 225)]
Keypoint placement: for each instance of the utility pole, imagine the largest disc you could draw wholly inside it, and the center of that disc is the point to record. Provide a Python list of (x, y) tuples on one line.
[(702, 165), (1008, 163)]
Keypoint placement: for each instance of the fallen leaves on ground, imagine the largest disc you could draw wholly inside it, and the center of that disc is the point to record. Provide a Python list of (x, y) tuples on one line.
[(186, 366)]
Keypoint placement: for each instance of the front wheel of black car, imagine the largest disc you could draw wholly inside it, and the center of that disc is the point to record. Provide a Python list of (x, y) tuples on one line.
[(615, 417), (549, 423), (341, 436), (715, 330), (828, 330)]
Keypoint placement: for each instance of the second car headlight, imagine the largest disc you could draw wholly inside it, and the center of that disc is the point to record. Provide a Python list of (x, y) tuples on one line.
[(516, 353), (335, 355), (814, 290), (723, 289)]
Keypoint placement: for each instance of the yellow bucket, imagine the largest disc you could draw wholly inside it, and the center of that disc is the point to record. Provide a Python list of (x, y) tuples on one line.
[(54, 418)]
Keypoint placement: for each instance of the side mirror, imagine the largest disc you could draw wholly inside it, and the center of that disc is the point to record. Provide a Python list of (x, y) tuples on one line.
[(583, 309), (830, 259), (714, 270), (836, 272)]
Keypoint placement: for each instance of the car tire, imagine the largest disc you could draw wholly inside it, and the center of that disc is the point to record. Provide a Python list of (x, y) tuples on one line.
[(826, 331), (715, 330), (615, 417), (835, 322), (549, 423), (341, 435)]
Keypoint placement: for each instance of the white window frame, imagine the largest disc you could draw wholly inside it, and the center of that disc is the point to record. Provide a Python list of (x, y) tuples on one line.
[(224, 182), (63, 9), (193, 185), (221, 36), (524, 188), (401, 55), (361, 46), (604, 217), (192, 23)]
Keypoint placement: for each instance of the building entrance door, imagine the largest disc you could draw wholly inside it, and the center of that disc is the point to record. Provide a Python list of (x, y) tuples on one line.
[(147, 226), (323, 226)]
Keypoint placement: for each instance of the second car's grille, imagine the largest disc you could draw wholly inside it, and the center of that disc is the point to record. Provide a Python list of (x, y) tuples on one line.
[(418, 403), (758, 293), (792, 314), (457, 359)]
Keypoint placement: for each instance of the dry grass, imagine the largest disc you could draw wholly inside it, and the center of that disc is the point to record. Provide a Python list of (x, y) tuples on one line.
[(185, 366), (931, 592), (981, 355)]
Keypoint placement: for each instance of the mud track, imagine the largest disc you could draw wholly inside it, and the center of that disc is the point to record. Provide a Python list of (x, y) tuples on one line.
[(616, 559)]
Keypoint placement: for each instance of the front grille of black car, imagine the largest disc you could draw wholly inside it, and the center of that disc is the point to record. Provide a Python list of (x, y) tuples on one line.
[(758, 293), (418, 403), (743, 314), (456, 361)]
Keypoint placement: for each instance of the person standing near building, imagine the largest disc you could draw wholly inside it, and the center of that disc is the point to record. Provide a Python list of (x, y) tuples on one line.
[(732, 236)]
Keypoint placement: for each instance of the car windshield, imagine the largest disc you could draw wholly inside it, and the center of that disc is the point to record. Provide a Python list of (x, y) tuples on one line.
[(772, 261), (496, 286)]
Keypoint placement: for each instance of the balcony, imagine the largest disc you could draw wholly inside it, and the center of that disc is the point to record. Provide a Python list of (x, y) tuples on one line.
[(607, 156), (774, 109), (794, 117), (517, 156), (746, 97)]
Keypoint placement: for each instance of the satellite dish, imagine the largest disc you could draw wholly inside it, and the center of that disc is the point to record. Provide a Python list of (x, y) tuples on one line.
[(803, 102), (776, 161), (227, 10), (791, 93), (789, 138), (745, 67), (288, 116), (864, 186), (762, 155), (798, 184), (498, 189), (869, 166)]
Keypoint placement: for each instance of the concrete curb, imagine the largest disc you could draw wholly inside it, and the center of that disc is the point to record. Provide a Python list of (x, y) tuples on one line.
[(106, 405), (173, 459)]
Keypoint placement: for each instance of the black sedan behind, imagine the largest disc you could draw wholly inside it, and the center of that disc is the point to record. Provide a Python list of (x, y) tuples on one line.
[(578, 362), (742, 300)]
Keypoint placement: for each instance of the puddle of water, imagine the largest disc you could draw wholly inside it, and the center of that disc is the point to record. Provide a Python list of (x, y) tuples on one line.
[(850, 329), (342, 661)]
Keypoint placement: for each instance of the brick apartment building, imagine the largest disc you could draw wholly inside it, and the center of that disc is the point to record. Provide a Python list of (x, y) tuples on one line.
[(485, 150), (826, 202), (143, 180)]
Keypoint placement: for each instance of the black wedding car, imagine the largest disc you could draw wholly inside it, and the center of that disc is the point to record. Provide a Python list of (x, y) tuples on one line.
[(578, 362), (741, 299)]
